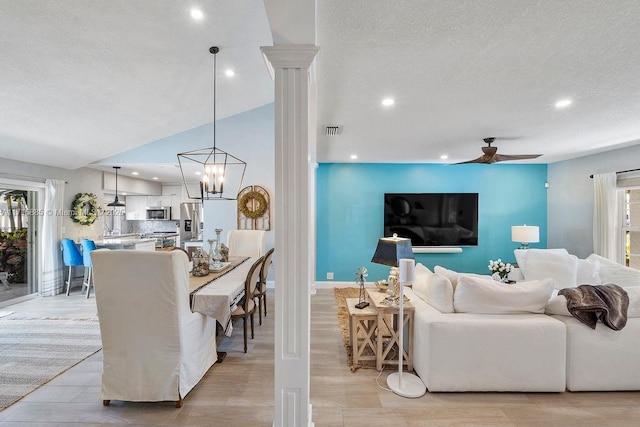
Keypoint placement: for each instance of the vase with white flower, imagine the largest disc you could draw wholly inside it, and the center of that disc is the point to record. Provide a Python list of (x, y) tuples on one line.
[(499, 270)]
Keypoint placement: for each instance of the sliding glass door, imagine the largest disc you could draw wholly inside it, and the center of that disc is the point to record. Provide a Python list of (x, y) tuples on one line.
[(18, 241)]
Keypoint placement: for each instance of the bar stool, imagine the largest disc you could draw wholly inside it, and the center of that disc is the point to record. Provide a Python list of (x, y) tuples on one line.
[(87, 247), (71, 257)]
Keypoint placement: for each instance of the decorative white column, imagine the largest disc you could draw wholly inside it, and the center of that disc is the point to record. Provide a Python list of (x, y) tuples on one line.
[(289, 65)]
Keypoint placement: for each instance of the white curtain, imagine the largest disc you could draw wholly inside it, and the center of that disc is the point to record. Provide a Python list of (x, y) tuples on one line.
[(607, 231), (51, 261)]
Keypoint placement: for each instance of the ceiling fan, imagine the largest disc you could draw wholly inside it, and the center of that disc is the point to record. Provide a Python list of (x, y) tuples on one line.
[(491, 154)]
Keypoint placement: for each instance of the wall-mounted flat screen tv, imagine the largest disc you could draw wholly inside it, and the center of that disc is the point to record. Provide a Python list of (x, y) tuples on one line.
[(432, 219)]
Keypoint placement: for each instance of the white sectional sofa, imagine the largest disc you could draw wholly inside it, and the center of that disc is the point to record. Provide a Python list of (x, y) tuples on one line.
[(484, 352), (471, 336), (603, 359)]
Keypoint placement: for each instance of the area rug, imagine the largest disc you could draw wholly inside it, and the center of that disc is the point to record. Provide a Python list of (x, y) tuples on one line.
[(35, 351), (341, 294)]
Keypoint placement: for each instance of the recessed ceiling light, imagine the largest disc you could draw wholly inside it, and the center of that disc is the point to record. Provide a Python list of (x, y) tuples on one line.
[(444, 157), (124, 194), (388, 102), (354, 157), (229, 73), (198, 172), (155, 177), (197, 14), (563, 103), (135, 173)]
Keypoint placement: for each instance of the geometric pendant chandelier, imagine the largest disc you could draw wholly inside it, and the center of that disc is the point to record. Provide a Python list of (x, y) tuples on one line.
[(219, 174)]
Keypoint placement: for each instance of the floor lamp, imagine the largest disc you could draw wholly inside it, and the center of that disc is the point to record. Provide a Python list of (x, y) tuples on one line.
[(404, 384)]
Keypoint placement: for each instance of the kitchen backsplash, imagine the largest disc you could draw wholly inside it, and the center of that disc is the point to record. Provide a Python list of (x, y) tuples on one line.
[(144, 227)]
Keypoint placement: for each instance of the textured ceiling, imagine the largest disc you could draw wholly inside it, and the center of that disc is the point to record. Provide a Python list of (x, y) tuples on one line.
[(466, 69), (81, 80)]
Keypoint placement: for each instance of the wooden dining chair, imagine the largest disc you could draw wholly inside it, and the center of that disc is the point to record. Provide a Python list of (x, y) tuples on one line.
[(260, 294), (247, 307)]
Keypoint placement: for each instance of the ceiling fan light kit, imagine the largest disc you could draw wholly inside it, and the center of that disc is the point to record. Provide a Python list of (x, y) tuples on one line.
[(490, 154)]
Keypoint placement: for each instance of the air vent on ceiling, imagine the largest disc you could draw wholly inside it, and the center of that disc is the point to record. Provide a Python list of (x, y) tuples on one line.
[(333, 130)]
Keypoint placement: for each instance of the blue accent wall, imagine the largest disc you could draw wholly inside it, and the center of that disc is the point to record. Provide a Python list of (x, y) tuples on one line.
[(350, 202)]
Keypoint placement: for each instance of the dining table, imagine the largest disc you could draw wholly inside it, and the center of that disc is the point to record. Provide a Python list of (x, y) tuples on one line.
[(218, 293)]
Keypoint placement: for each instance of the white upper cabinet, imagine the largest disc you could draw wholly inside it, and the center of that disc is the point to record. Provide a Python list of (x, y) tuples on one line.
[(136, 207), (175, 194)]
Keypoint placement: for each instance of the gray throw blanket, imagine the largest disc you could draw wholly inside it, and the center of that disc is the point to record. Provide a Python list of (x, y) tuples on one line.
[(608, 303)]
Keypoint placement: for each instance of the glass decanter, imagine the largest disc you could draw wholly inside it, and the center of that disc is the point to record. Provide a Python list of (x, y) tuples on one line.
[(217, 255)]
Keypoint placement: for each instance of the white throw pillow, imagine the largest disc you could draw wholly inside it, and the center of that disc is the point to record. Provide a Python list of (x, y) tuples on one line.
[(521, 257), (436, 290), (561, 267), (487, 296), (557, 305), (421, 269), (588, 272), (449, 274), (612, 272), (453, 275)]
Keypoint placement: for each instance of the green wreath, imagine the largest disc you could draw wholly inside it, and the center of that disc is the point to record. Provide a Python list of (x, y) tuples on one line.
[(85, 208), (255, 197)]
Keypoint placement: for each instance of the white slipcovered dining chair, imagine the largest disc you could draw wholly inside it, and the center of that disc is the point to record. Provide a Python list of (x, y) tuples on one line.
[(154, 347), (249, 243)]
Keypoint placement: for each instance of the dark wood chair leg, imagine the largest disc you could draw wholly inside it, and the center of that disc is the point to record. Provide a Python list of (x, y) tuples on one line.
[(245, 333), (106, 402), (251, 325), (260, 309), (179, 402), (264, 297)]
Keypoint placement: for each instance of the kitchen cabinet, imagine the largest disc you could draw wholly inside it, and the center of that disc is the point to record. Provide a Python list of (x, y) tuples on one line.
[(136, 207), (158, 201), (175, 192)]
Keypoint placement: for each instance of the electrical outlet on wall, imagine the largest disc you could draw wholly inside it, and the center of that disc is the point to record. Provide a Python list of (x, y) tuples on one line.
[(330, 276)]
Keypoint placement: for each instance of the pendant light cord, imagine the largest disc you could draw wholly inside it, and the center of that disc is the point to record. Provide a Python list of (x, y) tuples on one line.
[(214, 50)]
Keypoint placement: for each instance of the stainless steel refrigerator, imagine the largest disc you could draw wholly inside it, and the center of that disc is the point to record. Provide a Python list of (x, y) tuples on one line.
[(190, 222)]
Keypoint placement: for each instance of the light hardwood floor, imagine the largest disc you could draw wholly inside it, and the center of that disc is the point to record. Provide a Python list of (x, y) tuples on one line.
[(239, 391)]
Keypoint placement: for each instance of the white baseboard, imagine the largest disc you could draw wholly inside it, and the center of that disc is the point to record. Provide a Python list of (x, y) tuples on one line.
[(320, 285), (333, 284)]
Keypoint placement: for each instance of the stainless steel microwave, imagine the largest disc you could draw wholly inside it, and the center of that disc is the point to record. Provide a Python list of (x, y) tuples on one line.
[(159, 213)]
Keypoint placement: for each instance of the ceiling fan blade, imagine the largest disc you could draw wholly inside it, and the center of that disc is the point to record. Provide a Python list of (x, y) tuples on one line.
[(505, 157), (481, 159)]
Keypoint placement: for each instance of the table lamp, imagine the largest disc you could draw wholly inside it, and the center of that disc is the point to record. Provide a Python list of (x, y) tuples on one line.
[(525, 234), (404, 384), (390, 251)]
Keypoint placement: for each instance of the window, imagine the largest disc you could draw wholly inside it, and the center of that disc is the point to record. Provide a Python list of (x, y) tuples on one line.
[(631, 227)]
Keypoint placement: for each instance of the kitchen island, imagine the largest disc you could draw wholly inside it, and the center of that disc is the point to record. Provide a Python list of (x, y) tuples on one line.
[(134, 242)]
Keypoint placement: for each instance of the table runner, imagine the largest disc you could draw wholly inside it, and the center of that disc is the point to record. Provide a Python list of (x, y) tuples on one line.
[(218, 294), (195, 282)]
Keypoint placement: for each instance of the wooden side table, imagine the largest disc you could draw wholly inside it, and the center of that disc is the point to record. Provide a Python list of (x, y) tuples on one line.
[(362, 322), (388, 317)]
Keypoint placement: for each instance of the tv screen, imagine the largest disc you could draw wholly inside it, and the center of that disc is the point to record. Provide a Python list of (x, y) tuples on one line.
[(432, 219)]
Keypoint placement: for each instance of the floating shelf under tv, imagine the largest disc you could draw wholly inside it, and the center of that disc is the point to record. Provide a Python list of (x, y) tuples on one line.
[(435, 250)]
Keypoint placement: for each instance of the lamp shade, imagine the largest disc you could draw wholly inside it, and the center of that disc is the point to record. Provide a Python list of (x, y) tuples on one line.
[(391, 250), (525, 233)]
